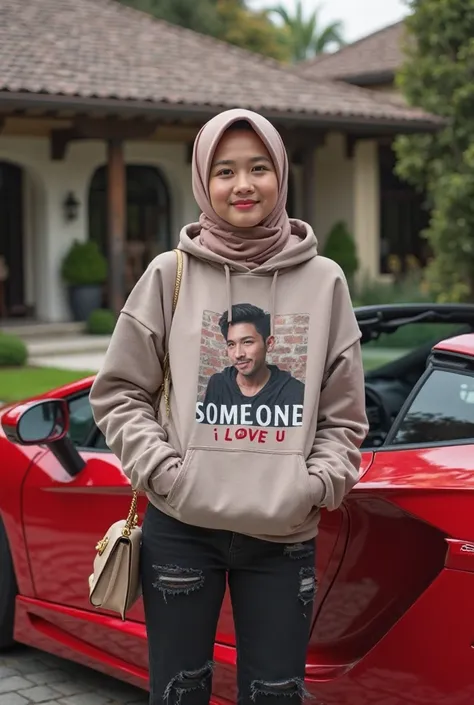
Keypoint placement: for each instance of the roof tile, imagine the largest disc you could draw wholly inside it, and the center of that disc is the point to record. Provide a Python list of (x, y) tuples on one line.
[(380, 52), (102, 49)]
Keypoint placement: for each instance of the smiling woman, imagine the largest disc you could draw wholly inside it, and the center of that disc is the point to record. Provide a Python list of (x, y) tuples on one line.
[(254, 441)]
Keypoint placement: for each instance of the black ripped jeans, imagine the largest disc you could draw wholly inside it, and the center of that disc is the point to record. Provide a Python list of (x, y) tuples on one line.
[(185, 570)]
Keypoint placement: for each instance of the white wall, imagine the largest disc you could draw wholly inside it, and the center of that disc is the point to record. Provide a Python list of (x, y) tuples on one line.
[(48, 235), (366, 189), (334, 197)]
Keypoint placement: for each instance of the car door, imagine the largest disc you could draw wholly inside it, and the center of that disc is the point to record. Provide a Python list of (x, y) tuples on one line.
[(64, 517), (415, 499)]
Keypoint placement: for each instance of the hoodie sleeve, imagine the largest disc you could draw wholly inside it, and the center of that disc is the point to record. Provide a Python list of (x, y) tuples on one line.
[(334, 460), (124, 394)]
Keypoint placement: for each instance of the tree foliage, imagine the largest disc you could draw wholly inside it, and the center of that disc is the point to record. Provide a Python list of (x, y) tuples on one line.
[(229, 20), (438, 77), (305, 34)]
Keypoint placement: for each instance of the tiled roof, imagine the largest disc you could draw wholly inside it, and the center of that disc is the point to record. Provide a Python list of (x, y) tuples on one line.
[(101, 51), (379, 53)]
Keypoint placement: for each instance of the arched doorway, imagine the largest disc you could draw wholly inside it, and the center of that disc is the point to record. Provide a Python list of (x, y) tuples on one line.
[(148, 231), (11, 239)]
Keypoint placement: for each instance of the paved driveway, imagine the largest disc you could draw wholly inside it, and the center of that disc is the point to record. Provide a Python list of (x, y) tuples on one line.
[(29, 676)]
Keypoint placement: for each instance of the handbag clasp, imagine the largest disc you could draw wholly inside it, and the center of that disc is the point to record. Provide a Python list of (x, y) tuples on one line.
[(102, 545)]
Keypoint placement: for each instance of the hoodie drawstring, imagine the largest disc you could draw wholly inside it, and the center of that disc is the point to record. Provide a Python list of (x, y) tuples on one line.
[(273, 302), (229, 293), (272, 297)]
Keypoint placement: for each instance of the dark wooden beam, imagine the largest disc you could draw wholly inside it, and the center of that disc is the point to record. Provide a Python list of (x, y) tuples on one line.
[(59, 142), (298, 141), (116, 223), (89, 128)]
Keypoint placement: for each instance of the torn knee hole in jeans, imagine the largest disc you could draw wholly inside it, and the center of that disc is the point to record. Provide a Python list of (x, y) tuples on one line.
[(173, 580), (187, 681), (308, 585), (282, 688), (297, 551)]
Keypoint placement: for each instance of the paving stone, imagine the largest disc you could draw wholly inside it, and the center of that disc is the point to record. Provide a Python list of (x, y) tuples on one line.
[(7, 685), (69, 687), (30, 665), (48, 677), (39, 694), (28, 676), (6, 672), (120, 693), (86, 699), (12, 699)]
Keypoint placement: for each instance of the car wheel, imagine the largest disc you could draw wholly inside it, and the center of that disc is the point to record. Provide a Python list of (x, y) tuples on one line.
[(8, 591)]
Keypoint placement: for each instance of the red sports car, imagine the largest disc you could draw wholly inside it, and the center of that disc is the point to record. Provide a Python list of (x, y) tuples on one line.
[(394, 615)]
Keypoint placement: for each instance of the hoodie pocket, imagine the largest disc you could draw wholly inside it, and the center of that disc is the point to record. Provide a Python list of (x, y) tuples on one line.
[(259, 493)]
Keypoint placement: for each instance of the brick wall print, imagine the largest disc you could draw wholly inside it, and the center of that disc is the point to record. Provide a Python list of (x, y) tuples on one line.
[(290, 353)]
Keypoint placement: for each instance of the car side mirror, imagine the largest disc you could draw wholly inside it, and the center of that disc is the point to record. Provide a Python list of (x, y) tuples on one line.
[(37, 422)]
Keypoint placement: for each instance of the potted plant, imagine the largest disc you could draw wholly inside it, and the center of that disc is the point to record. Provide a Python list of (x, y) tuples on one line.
[(340, 247), (84, 269)]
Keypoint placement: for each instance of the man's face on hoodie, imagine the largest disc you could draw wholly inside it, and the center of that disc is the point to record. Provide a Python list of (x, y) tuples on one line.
[(247, 349)]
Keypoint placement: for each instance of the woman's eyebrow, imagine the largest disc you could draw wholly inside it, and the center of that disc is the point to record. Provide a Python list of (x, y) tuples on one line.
[(230, 162)]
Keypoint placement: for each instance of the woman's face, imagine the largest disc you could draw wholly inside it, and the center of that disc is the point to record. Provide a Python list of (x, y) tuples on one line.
[(243, 184)]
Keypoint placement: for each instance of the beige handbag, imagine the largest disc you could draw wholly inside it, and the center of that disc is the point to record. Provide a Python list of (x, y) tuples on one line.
[(115, 583)]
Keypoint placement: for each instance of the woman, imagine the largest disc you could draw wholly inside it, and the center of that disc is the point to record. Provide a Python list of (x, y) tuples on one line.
[(265, 424)]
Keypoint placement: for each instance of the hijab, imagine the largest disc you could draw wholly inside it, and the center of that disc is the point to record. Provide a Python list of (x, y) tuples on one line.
[(249, 246)]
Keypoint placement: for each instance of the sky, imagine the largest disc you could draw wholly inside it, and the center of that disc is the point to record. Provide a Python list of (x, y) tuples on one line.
[(360, 17)]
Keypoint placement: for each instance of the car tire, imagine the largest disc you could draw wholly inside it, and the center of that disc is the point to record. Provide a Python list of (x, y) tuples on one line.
[(8, 592)]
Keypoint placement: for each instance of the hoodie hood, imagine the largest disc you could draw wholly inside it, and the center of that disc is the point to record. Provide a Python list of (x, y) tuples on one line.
[(301, 247)]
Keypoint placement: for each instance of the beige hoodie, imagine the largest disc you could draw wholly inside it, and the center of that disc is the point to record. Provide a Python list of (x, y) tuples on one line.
[(261, 465)]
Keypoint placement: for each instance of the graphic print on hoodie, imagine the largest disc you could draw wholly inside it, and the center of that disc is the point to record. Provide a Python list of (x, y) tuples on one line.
[(250, 375)]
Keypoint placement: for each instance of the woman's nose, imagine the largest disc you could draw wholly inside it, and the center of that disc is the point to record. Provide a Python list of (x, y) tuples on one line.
[(243, 183)]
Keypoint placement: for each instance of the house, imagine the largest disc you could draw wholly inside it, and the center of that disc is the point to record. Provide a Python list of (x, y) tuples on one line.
[(372, 63), (99, 106)]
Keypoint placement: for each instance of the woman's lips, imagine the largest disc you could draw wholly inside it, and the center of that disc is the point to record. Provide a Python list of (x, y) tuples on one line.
[(244, 205)]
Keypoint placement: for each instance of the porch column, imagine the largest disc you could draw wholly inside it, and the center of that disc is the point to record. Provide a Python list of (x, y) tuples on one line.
[(367, 208), (309, 184), (116, 223)]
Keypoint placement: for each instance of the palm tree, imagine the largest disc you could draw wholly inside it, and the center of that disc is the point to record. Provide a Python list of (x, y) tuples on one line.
[(305, 35)]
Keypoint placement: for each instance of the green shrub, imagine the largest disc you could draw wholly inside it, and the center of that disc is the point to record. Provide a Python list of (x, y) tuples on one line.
[(101, 322), (407, 290), (340, 247), (13, 351), (84, 264)]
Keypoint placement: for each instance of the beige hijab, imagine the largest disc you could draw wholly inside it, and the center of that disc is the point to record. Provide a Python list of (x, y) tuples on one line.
[(249, 246)]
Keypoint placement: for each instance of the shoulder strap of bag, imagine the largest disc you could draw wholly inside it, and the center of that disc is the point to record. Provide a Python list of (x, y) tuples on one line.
[(132, 518), (166, 361)]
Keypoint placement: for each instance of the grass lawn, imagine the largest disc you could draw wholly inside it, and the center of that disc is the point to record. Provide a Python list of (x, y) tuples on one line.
[(17, 383)]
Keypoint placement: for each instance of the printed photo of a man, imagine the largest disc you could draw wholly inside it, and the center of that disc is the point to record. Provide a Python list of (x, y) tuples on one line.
[(251, 390)]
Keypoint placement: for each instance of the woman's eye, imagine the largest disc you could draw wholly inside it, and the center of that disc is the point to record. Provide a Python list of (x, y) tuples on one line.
[(260, 167), (224, 172)]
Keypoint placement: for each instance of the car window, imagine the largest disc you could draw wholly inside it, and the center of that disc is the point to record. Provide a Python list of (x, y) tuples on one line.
[(442, 411), (81, 421)]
